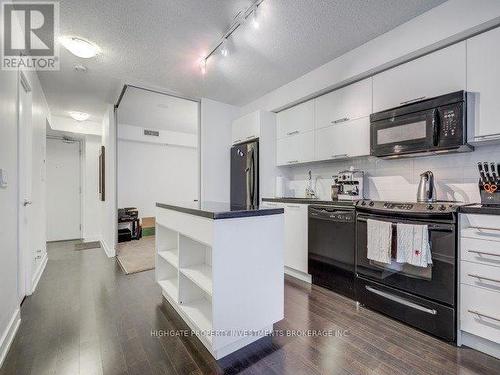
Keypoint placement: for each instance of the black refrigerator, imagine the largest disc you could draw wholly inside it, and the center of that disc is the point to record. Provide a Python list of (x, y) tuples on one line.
[(245, 174)]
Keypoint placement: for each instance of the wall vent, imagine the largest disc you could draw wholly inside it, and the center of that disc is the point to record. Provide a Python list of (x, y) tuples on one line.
[(152, 133)]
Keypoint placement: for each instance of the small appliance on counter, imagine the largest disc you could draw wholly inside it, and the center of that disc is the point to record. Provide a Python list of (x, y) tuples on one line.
[(350, 184), (489, 183), (426, 188)]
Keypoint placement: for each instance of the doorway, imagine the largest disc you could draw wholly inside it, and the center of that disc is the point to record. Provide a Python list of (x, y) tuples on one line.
[(25, 134), (157, 161), (63, 189)]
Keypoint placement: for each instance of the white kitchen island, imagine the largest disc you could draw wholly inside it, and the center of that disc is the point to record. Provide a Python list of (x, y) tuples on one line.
[(221, 269)]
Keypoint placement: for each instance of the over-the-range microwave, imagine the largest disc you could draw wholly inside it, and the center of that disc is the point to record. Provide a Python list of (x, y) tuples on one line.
[(426, 127)]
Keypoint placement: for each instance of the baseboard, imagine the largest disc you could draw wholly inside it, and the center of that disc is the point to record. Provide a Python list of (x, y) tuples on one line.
[(92, 239), (107, 250), (298, 275), (39, 273), (8, 335), (480, 344)]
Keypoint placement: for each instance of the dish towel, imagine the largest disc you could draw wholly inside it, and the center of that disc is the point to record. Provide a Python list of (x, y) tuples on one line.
[(379, 240), (413, 245)]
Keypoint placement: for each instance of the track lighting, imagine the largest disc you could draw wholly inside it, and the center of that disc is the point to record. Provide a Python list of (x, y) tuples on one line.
[(255, 21), (246, 15), (224, 51), (203, 66)]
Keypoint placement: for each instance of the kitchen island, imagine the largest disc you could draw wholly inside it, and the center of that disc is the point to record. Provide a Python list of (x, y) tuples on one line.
[(221, 268)]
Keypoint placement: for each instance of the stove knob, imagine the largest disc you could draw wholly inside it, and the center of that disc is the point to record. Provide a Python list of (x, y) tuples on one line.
[(363, 203), (442, 207), (430, 207), (372, 204)]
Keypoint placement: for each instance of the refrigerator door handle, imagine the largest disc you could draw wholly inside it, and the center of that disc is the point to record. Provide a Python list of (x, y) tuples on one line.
[(252, 175)]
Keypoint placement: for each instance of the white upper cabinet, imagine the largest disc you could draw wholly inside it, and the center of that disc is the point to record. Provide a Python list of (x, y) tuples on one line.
[(348, 103), (296, 120), (483, 79), (344, 140), (435, 74), (246, 128), (295, 149)]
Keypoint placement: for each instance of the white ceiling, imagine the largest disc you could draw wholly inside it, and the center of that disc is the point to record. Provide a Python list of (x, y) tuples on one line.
[(158, 44), (151, 110)]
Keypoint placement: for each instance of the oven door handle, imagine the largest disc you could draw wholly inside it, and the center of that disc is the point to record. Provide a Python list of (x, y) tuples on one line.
[(400, 300), (440, 227)]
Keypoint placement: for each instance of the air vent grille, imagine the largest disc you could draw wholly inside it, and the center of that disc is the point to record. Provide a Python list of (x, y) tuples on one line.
[(152, 133)]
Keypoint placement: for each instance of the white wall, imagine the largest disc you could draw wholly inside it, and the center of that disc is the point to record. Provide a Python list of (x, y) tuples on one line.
[(136, 133), (150, 173), (215, 138), (456, 175), (91, 200), (8, 201), (451, 21), (108, 207), (67, 124)]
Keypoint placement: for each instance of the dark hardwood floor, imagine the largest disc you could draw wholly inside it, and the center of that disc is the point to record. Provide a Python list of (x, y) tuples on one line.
[(87, 317)]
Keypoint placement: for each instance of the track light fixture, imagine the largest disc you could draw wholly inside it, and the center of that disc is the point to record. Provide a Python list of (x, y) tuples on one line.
[(248, 14)]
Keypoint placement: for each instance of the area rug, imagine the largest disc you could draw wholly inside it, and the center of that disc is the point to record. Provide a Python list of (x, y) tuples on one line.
[(87, 245), (136, 256)]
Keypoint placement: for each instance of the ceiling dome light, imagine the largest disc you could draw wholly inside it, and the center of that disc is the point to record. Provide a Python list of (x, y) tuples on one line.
[(79, 116), (79, 46), (255, 21)]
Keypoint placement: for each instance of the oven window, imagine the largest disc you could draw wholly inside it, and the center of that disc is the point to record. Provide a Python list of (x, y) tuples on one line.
[(402, 133)]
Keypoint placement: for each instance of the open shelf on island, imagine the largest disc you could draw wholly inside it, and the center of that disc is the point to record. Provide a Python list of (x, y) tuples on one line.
[(201, 275), (200, 313), (170, 287), (171, 256)]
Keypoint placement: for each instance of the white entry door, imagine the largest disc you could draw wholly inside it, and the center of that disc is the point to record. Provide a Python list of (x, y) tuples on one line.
[(63, 190)]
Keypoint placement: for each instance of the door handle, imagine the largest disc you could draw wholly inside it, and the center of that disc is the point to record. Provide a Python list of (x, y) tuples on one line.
[(400, 300), (27, 202)]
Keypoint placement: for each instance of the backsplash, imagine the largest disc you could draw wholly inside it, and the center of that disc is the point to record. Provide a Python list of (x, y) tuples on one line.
[(456, 175)]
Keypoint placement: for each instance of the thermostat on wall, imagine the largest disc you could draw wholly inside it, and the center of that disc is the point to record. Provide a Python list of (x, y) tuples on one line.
[(3, 178)]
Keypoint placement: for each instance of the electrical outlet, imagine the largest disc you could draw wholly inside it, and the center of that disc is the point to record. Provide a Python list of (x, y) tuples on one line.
[(3, 178)]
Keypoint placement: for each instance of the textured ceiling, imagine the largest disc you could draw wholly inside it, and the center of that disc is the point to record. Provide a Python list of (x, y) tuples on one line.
[(157, 111), (158, 44)]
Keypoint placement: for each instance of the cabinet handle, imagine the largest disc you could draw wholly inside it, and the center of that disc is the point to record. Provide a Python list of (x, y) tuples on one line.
[(483, 253), (343, 119), (483, 315), (294, 132), (412, 100), (292, 206), (340, 156), (483, 278), (292, 161)]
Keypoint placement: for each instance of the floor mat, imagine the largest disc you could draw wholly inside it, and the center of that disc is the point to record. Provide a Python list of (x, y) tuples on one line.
[(87, 245), (137, 256)]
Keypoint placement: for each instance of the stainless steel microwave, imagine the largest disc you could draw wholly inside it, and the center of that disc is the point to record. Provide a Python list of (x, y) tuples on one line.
[(432, 126)]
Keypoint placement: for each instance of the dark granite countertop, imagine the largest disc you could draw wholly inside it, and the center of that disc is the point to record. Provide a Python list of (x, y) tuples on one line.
[(220, 210), (480, 209), (309, 201)]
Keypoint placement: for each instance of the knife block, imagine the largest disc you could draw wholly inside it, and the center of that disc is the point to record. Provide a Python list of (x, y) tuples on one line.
[(489, 199)]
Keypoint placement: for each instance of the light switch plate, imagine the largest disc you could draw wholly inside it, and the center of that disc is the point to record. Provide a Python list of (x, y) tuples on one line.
[(3, 178)]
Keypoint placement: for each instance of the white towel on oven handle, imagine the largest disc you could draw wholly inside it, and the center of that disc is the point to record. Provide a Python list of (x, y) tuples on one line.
[(379, 240), (413, 245)]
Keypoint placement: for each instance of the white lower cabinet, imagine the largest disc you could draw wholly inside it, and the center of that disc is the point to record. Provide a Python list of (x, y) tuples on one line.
[(479, 315), (343, 140), (295, 149), (296, 237)]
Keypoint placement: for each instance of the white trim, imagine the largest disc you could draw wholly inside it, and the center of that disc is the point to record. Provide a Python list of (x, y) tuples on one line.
[(107, 250), (39, 273), (92, 239), (480, 344), (9, 334), (298, 275)]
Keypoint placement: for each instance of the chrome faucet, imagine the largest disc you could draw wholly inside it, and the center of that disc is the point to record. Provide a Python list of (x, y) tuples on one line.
[(310, 193)]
